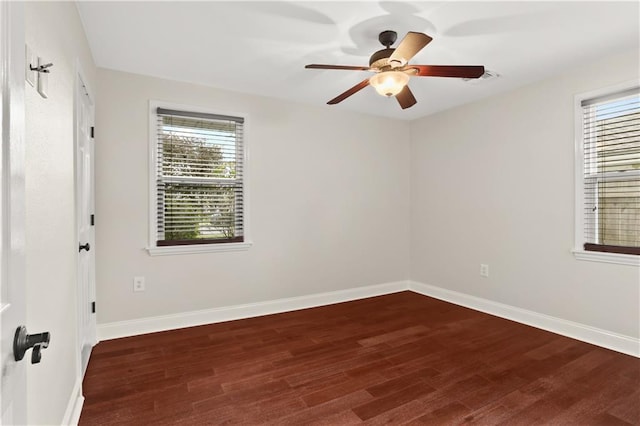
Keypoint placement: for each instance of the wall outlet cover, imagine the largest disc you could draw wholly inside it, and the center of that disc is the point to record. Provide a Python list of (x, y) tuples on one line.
[(484, 270), (138, 284)]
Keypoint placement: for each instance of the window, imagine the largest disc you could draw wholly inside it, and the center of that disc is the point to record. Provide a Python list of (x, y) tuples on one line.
[(609, 197), (198, 191)]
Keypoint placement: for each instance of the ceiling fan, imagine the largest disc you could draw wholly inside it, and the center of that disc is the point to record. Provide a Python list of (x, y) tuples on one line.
[(393, 71)]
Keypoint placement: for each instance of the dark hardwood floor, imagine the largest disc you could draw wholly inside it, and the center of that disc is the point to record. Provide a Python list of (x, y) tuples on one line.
[(400, 358)]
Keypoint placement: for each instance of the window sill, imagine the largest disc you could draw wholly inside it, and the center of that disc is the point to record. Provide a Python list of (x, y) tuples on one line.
[(198, 248), (618, 259)]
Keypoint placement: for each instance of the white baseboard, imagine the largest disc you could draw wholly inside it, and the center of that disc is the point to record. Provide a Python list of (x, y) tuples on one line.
[(607, 339), (610, 340), (74, 407), (135, 327)]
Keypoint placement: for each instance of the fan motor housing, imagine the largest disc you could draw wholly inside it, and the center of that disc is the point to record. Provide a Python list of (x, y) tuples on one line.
[(380, 58), (387, 38)]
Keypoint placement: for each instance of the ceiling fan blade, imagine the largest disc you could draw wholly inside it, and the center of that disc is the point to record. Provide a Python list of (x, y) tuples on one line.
[(459, 71), (411, 44), (336, 67), (341, 97), (405, 98)]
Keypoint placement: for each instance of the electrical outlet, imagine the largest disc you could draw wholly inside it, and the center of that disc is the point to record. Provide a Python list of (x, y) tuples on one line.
[(138, 283), (484, 270)]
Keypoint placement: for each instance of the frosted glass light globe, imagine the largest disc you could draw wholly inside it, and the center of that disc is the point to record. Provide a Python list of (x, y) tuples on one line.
[(389, 83)]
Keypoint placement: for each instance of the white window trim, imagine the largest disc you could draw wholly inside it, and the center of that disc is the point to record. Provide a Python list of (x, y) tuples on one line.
[(198, 248), (152, 248), (578, 250)]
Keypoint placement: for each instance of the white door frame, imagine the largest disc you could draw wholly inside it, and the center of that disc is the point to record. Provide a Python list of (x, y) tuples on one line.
[(87, 335), (13, 392)]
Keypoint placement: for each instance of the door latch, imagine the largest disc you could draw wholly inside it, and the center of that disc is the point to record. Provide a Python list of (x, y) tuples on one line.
[(22, 342)]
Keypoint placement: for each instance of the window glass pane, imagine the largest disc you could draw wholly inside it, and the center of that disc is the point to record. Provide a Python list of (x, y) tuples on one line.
[(199, 148), (612, 171), (199, 178), (619, 213), (617, 137), (199, 211)]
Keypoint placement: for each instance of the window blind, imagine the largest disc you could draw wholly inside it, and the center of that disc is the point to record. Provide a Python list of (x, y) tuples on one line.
[(611, 179), (199, 178)]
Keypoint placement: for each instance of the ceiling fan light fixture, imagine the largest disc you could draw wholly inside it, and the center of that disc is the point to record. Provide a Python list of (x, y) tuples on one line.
[(389, 83), (392, 72)]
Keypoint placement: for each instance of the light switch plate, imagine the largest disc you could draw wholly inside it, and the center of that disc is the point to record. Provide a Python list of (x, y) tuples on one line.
[(31, 60), (43, 80)]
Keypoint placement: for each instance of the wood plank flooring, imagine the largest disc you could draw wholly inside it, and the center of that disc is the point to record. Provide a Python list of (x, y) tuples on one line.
[(394, 359)]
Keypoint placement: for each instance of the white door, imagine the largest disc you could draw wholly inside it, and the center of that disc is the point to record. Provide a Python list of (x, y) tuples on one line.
[(13, 398), (85, 221)]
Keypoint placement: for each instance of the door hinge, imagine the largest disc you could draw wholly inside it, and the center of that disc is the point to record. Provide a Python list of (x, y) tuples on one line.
[(93, 307), (93, 220), (93, 131)]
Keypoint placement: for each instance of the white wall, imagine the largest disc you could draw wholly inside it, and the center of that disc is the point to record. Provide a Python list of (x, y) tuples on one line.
[(329, 203), (54, 31), (493, 182)]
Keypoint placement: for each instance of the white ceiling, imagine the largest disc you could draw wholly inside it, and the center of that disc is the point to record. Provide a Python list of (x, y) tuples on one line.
[(262, 47)]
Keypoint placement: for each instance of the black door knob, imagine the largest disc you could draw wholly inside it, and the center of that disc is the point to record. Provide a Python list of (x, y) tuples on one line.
[(22, 342), (85, 246)]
